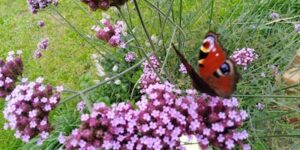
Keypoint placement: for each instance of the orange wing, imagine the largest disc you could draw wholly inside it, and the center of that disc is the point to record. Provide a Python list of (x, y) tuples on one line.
[(214, 67)]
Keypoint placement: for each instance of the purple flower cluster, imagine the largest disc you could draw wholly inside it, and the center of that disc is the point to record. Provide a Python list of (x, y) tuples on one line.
[(27, 109), (103, 4), (42, 46), (149, 76), (80, 106), (9, 72), (130, 57), (274, 16), (35, 5), (111, 34), (162, 117), (41, 23), (182, 69), (244, 57), (297, 28)]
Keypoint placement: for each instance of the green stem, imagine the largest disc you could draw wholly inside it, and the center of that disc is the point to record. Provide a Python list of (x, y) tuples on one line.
[(288, 87), (211, 14), (86, 101), (138, 44), (267, 96), (76, 30), (180, 25), (170, 20), (145, 29), (105, 81)]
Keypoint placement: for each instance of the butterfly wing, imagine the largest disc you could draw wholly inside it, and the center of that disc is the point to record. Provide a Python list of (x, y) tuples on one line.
[(214, 67), (198, 83)]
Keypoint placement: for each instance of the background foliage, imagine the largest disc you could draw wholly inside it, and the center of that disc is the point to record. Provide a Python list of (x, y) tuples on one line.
[(240, 24)]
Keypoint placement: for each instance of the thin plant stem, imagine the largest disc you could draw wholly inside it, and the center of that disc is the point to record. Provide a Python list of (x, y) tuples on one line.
[(282, 19), (103, 82), (288, 87), (87, 13), (145, 29), (135, 85), (211, 14), (168, 49), (86, 101), (170, 20), (141, 50), (266, 96), (180, 25), (76, 30)]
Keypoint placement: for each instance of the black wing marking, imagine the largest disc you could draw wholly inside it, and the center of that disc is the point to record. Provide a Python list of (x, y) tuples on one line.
[(198, 83)]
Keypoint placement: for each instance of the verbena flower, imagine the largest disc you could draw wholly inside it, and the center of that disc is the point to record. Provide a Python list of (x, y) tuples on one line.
[(27, 109), (182, 69), (274, 70), (43, 44), (10, 70), (41, 23), (297, 28), (35, 5), (103, 4), (111, 34), (163, 115), (80, 106), (260, 106), (244, 57), (149, 76), (274, 16), (130, 57)]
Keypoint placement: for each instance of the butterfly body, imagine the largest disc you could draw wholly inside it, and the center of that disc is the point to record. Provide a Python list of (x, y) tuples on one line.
[(217, 75)]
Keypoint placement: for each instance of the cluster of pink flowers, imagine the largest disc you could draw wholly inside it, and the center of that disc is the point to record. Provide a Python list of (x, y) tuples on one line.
[(35, 5), (149, 76), (103, 4), (111, 34), (244, 57), (130, 57), (162, 117), (9, 72), (41, 23), (80, 106), (274, 16), (182, 69), (27, 109), (297, 28), (164, 114), (42, 46)]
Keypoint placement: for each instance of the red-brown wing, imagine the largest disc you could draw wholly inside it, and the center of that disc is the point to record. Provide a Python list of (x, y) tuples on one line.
[(198, 83), (214, 67)]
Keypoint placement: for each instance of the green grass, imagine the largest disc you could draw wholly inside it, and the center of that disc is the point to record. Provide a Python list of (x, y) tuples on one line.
[(239, 23)]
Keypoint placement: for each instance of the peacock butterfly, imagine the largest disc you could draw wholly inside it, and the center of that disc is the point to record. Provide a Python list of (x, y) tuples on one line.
[(217, 73)]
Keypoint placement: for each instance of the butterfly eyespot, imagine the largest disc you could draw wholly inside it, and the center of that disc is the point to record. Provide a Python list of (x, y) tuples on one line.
[(223, 70), (206, 45)]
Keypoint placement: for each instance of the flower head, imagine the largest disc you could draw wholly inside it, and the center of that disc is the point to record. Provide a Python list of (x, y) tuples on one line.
[(111, 34), (244, 57), (274, 16), (130, 57), (9, 73), (103, 4), (27, 110), (35, 5), (182, 69), (297, 28)]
